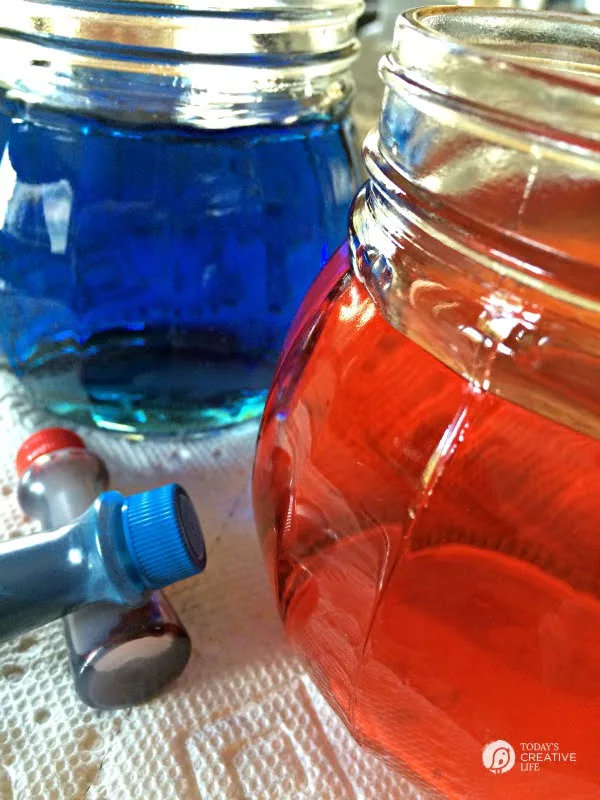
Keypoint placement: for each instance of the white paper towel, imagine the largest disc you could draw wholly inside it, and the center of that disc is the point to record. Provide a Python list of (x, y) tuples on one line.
[(242, 722)]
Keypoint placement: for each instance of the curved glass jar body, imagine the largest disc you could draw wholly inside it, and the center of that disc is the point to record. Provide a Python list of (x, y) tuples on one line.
[(426, 473), (171, 180)]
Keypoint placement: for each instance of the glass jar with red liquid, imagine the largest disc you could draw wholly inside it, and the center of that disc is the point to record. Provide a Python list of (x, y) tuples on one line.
[(427, 480)]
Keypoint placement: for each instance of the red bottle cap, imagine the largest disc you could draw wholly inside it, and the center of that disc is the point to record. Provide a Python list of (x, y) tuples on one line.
[(40, 443)]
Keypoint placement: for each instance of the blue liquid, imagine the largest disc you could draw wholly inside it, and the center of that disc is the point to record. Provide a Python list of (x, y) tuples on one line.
[(148, 275)]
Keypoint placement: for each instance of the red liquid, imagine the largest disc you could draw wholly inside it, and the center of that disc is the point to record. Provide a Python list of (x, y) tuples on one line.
[(434, 552)]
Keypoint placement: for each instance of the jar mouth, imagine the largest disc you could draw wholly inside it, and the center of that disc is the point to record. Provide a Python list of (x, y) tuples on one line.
[(533, 73), (184, 30), (556, 42), (211, 65)]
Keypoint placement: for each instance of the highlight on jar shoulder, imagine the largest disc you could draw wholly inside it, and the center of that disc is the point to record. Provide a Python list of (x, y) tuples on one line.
[(171, 181), (425, 484)]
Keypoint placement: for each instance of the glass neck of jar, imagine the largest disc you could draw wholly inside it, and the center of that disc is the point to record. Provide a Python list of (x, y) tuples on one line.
[(206, 65), (512, 316), (476, 234), (204, 97)]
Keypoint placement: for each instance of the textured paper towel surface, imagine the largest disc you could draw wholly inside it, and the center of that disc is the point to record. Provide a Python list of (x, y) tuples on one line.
[(242, 722)]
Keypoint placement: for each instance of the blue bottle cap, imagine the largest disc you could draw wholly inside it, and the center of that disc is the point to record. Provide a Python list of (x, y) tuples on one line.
[(164, 536)]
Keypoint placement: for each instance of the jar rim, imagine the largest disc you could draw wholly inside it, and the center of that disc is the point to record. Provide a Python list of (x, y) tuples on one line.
[(214, 65), (174, 6), (185, 29), (533, 72)]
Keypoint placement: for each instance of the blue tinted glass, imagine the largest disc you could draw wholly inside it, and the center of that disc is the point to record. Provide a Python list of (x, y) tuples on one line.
[(148, 275)]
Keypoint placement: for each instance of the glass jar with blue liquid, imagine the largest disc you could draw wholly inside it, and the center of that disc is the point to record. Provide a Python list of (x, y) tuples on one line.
[(172, 177)]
